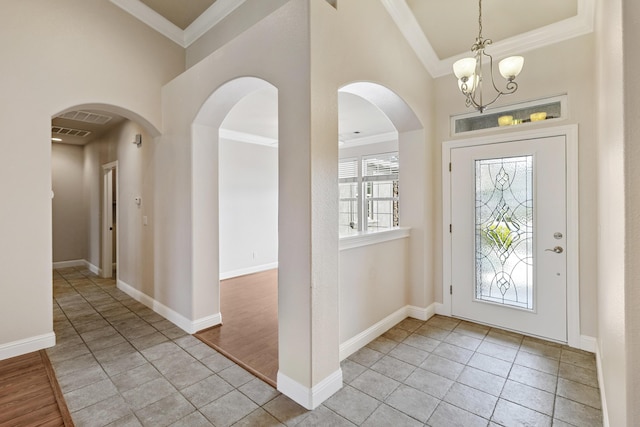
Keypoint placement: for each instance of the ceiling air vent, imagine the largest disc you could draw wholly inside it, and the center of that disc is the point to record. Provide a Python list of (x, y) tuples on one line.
[(85, 116), (70, 132)]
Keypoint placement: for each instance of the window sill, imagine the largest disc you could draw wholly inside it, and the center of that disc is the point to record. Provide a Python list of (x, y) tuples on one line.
[(372, 238)]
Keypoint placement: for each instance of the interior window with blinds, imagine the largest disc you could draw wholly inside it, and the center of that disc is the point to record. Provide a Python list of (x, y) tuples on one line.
[(369, 190)]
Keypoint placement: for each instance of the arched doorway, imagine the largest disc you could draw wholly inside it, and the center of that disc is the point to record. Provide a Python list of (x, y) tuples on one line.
[(235, 166), (96, 159)]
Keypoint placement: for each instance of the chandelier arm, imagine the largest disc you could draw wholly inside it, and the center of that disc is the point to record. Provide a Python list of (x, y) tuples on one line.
[(511, 86), (473, 91), (493, 82)]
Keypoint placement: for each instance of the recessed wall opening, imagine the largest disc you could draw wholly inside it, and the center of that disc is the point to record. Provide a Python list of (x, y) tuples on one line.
[(368, 167), (381, 143)]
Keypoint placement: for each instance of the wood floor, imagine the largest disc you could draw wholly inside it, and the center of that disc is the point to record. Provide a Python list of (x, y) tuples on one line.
[(29, 393), (249, 333)]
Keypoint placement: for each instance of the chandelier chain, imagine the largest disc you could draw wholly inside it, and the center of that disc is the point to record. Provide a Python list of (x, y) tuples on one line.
[(480, 20)]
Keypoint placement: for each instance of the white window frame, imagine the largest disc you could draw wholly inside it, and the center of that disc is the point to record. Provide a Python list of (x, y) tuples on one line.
[(361, 180)]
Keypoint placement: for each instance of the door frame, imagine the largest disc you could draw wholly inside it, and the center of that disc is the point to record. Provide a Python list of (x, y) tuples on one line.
[(107, 209), (570, 132)]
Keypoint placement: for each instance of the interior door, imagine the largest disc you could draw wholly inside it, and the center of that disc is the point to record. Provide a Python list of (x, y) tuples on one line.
[(107, 223), (509, 221)]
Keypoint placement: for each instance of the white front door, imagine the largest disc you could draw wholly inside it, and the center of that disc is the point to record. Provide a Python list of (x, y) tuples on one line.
[(508, 235)]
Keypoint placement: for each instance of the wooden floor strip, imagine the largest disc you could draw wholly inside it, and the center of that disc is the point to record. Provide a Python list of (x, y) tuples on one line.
[(57, 391), (249, 333), (30, 394)]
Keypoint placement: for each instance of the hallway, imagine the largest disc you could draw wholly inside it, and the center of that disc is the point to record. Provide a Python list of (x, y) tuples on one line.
[(119, 363)]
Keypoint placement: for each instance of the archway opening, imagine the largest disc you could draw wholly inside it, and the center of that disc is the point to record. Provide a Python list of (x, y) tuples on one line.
[(381, 214), (241, 122), (89, 224)]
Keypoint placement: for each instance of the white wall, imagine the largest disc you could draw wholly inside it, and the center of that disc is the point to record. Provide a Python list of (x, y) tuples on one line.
[(611, 213), (631, 23), (248, 207), (69, 222), (547, 72), (109, 58)]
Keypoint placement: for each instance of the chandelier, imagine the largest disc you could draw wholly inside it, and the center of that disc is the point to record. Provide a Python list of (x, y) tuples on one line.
[(469, 71)]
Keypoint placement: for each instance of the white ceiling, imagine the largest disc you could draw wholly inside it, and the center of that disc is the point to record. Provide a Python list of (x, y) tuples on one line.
[(439, 31), (442, 31), (452, 25)]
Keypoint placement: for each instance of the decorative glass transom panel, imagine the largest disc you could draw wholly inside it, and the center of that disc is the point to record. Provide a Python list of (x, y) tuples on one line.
[(504, 231)]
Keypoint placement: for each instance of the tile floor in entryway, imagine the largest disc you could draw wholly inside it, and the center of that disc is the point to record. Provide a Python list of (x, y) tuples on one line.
[(120, 364)]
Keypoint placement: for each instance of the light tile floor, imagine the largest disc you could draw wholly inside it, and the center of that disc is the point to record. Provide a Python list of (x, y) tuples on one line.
[(120, 364)]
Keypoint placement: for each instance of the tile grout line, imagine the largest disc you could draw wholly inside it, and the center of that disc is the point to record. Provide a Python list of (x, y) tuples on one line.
[(127, 340)]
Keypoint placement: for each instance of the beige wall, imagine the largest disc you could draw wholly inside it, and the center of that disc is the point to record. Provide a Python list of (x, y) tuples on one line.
[(547, 72), (68, 219), (363, 24), (611, 202), (135, 177), (631, 25), (230, 27), (276, 50), (56, 55), (373, 285)]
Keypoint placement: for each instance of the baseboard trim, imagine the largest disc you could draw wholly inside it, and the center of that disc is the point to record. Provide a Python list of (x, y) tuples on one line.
[(70, 263), (248, 270), (27, 345), (588, 343), (420, 313), (310, 398), (77, 263), (603, 397), (441, 309), (355, 343), (189, 326), (92, 268), (206, 322)]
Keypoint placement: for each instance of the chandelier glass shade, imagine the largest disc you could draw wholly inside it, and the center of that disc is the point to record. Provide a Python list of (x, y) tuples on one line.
[(469, 72)]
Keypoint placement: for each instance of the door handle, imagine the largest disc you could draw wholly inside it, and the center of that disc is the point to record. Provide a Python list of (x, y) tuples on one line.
[(557, 249)]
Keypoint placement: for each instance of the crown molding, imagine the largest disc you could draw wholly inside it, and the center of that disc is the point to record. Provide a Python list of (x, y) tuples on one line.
[(410, 29), (582, 23), (250, 138), (152, 18), (373, 139), (209, 18)]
